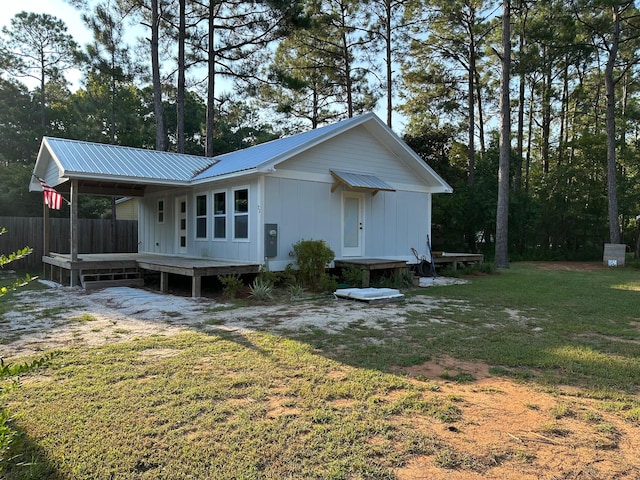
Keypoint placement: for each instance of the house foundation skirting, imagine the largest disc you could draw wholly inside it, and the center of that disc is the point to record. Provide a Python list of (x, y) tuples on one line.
[(115, 267)]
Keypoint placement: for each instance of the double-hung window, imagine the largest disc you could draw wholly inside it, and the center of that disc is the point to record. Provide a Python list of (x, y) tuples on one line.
[(241, 214), (201, 216), (220, 215)]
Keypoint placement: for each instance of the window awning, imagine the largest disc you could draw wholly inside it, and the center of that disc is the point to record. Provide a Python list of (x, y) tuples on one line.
[(360, 181)]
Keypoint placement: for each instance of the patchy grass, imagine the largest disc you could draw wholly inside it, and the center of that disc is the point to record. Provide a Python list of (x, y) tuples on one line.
[(565, 327), (314, 404), (240, 406)]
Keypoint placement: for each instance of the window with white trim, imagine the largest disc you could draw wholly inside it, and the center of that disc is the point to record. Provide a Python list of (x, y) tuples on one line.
[(160, 211), (201, 216), (220, 215), (241, 214)]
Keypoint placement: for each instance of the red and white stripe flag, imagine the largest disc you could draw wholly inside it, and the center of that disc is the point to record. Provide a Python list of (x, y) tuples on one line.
[(51, 197)]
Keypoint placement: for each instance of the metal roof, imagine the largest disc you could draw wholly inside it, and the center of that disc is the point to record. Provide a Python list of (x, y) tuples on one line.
[(101, 159), (99, 162), (276, 150), (361, 181)]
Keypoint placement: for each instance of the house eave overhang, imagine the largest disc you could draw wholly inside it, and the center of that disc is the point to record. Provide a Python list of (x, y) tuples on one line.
[(230, 176), (108, 185)]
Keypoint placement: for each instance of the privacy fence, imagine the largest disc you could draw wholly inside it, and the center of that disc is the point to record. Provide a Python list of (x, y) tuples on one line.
[(94, 236)]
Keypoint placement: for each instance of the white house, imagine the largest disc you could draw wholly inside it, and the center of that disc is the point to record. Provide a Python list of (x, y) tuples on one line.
[(354, 184)]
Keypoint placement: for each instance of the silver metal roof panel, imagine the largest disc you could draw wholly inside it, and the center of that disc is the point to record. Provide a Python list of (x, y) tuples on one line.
[(113, 160), (261, 155), (360, 180)]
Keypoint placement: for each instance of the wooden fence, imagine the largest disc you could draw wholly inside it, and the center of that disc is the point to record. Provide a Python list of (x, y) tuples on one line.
[(94, 236)]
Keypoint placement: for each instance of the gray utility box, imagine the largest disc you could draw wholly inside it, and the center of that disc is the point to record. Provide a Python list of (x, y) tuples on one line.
[(270, 240), (614, 254)]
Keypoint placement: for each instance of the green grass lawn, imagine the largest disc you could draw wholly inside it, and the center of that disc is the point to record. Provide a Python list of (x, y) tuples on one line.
[(310, 404)]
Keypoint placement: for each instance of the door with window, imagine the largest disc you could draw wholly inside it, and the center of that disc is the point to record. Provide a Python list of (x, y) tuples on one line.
[(352, 224), (181, 225)]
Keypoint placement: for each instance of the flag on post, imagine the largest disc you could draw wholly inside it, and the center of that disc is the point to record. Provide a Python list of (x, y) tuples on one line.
[(51, 197)]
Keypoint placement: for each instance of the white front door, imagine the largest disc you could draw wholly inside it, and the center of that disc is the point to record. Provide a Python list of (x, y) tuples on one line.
[(181, 225), (352, 224)]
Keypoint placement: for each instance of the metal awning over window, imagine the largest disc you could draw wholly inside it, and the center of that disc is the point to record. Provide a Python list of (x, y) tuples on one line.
[(359, 181)]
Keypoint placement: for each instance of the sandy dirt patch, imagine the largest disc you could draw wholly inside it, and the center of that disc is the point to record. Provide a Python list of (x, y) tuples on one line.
[(568, 266), (507, 430), (64, 316)]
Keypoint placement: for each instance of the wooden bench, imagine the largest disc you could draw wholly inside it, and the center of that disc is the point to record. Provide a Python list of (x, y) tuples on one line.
[(453, 259)]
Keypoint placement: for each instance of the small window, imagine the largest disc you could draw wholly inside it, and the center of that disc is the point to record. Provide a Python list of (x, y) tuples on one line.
[(241, 214), (201, 216), (160, 211), (220, 215)]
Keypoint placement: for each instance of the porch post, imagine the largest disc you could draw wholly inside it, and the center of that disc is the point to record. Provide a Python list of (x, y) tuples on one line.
[(74, 229), (196, 286), (46, 230)]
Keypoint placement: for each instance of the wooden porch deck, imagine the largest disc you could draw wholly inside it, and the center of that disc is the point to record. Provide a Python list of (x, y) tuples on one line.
[(119, 264), (453, 259), (369, 264)]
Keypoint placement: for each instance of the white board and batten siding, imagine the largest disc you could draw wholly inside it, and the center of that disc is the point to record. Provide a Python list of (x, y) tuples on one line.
[(302, 210), (357, 151), (157, 236), (160, 237), (299, 200)]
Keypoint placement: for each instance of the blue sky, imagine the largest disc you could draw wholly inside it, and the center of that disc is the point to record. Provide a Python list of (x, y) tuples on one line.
[(58, 8), (76, 28)]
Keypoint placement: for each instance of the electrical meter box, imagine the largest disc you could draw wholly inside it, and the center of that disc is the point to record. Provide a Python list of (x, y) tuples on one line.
[(270, 240)]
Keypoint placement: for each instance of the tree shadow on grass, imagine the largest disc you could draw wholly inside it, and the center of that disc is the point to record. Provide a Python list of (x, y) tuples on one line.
[(25, 460)]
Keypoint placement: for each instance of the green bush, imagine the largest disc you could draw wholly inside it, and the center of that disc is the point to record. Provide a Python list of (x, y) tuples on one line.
[(328, 283), (230, 285), (352, 276), (312, 258), (261, 289), (295, 291)]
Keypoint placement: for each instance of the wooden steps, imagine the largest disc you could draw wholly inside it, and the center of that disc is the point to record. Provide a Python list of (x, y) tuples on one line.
[(111, 277)]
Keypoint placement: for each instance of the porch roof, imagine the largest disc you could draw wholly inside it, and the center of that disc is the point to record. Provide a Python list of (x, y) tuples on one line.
[(360, 181)]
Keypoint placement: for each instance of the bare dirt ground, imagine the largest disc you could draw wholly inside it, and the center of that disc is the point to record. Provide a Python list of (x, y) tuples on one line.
[(569, 266), (509, 430)]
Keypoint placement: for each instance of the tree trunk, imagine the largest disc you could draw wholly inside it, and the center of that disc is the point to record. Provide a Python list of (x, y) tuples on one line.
[(517, 181), (502, 214), (527, 167), (483, 147), (181, 78), (546, 116), (471, 103), (348, 84), (564, 114), (155, 68), (389, 61), (211, 82), (610, 84), (43, 99)]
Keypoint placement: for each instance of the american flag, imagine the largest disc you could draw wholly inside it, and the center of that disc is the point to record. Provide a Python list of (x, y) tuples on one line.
[(51, 197)]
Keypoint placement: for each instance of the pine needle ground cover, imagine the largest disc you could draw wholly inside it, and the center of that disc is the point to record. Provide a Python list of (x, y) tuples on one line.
[(524, 373)]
